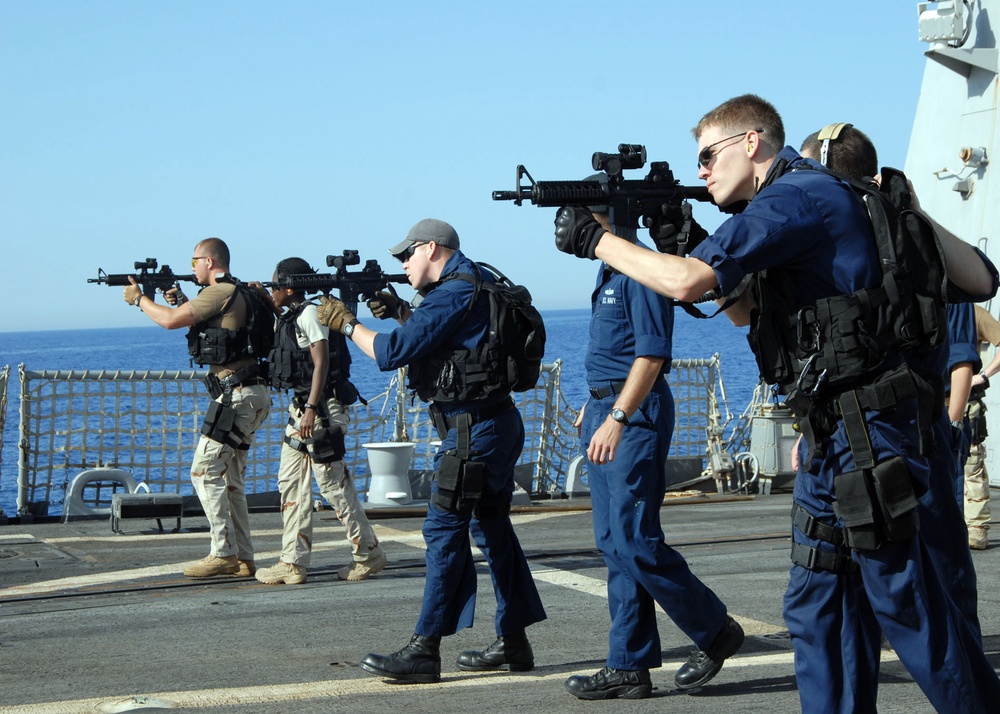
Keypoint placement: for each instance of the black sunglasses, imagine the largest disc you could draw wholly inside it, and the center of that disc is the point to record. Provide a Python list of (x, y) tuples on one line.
[(408, 253), (706, 154)]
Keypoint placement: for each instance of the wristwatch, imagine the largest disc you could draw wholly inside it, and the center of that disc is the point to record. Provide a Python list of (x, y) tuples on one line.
[(619, 416), (349, 328)]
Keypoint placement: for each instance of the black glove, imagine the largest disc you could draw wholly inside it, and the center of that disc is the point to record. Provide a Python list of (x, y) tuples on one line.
[(674, 230), (577, 232), (384, 305)]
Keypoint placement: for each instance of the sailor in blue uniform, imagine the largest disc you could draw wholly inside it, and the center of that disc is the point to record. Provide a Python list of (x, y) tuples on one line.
[(626, 428), (482, 437), (855, 544)]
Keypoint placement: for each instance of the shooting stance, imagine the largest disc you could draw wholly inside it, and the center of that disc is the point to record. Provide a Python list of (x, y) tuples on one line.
[(482, 437), (316, 367), (808, 241), (228, 333)]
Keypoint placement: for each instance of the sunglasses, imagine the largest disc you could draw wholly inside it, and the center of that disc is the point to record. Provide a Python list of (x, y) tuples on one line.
[(195, 259), (408, 253), (706, 154)]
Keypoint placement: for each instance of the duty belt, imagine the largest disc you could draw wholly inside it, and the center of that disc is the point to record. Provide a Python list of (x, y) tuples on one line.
[(611, 390), (242, 378), (481, 414)]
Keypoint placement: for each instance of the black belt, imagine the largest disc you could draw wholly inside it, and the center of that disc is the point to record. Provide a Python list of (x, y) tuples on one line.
[(482, 413), (812, 527), (611, 390)]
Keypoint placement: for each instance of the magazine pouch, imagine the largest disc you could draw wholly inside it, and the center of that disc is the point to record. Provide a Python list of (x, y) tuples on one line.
[(855, 505), (219, 422), (896, 499)]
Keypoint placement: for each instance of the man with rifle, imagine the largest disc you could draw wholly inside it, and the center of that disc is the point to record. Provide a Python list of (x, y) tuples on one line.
[(807, 237), (482, 437), (229, 327)]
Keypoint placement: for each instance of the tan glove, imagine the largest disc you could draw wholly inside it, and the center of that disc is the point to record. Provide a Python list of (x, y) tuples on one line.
[(384, 305), (333, 313)]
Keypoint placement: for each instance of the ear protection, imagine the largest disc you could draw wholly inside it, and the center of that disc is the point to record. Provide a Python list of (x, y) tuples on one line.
[(829, 133)]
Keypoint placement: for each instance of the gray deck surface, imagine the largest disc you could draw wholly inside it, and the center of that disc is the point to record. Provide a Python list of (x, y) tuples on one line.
[(90, 619)]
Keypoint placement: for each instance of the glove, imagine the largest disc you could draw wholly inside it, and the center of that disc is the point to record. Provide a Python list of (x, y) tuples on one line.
[(384, 305), (333, 313), (674, 230), (577, 233)]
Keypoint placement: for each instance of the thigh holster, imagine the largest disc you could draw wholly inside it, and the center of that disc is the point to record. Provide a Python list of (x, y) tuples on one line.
[(459, 479)]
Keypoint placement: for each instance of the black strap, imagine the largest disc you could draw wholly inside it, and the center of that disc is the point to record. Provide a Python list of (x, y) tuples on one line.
[(810, 526), (814, 559), (610, 390), (479, 415)]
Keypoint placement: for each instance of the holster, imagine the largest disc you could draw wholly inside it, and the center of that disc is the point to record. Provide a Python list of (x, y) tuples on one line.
[(459, 484), (877, 505), (213, 385), (327, 442)]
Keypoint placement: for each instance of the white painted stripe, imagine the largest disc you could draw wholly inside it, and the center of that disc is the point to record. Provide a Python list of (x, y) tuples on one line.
[(300, 691)]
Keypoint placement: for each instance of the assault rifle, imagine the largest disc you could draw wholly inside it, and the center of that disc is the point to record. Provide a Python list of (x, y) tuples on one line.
[(628, 200), (148, 278), (363, 283)]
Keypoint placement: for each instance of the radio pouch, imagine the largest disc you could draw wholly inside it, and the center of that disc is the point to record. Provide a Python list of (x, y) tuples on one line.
[(896, 499), (855, 505)]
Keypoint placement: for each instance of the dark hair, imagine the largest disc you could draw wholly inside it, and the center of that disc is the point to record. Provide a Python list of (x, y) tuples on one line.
[(292, 266), (217, 250), (851, 154), (745, 113)]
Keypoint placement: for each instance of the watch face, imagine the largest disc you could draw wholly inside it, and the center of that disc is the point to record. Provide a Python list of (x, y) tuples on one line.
[(618, 415)]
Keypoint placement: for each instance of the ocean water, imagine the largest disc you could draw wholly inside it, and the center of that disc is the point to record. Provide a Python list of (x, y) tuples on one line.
[(152, 347)]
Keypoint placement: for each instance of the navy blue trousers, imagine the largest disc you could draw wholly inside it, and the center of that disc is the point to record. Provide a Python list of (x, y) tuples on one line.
[(836, 620), (643, 570), (450, 587)]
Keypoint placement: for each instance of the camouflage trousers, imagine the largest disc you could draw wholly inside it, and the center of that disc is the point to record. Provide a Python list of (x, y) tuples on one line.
[(218, 474), (977, 481), (335, 485)]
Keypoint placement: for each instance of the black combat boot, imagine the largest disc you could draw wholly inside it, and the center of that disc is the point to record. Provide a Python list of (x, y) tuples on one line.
[(612, 684), (509, 651), (702, 666), (419, 661)]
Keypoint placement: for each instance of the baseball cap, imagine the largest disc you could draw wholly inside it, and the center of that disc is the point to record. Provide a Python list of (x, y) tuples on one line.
[(427, 230)]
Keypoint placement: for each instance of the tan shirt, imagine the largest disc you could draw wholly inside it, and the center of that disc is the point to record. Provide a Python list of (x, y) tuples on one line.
[(215, 305), (987, 329)]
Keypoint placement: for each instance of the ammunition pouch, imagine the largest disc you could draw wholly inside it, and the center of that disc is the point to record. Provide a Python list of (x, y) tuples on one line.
[(976, 421), (220, 425), (878, 505), (459, 484)]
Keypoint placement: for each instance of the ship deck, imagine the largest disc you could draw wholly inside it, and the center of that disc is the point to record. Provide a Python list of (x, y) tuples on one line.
[(92, 620)]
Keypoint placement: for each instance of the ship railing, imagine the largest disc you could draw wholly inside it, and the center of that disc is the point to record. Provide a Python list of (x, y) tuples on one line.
[(147, 423)]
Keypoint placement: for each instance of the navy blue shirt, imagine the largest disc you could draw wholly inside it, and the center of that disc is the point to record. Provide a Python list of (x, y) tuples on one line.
[(806, 222), (963, 342), (439, 323), (628, 320)]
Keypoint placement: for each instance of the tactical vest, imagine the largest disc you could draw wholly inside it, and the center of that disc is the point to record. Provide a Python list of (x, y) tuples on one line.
[(209, 345), (814, 353), (291, 366), (459, 375)]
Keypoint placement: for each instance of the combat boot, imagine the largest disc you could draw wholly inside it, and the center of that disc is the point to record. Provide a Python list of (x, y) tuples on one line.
[(512, 652), (419, 661), (611, 684), (702, 666)]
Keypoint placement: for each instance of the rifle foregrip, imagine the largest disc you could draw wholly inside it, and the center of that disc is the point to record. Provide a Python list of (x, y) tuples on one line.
[(569, 193)]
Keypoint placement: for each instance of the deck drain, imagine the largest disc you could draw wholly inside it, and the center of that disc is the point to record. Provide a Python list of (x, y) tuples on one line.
[(8, 553)]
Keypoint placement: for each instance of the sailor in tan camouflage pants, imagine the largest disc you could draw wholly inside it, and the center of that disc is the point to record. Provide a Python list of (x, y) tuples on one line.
[(336, 486), (977, 481), (218, 473)]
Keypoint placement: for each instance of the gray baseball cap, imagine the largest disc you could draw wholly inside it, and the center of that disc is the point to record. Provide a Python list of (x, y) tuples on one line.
[(427, 230)]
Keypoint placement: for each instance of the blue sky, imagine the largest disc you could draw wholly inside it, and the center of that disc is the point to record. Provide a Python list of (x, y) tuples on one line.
[(134, 129)]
